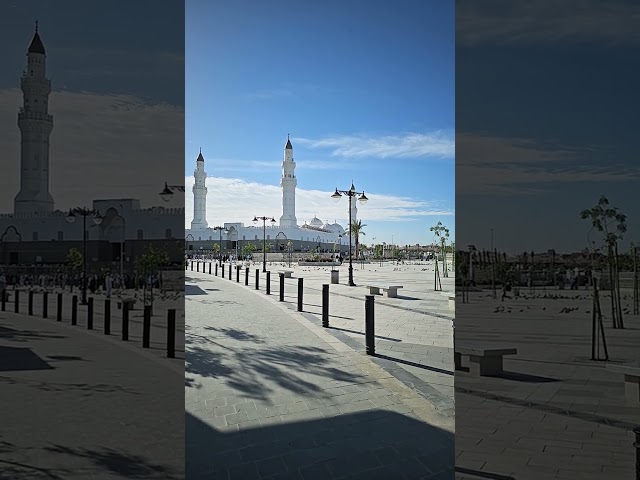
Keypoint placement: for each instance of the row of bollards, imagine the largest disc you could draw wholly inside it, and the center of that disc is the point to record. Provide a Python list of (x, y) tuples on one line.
[(368, 307), (146, 326)]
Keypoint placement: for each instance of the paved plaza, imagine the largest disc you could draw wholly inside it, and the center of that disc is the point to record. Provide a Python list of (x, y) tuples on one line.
[(554, 413), (272, 394), (79, 405)]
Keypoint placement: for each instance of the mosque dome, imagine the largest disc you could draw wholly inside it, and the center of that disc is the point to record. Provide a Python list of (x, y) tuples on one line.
[(316, 222), (337, 228)]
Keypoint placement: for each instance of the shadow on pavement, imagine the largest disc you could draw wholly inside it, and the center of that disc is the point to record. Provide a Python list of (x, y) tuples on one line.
[(21, 358), (377, 444)]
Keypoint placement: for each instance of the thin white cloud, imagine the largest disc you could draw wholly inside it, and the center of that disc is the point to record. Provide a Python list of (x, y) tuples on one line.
[(546, 22), (234, 200), (410, 145), (102, 146), (516, 166)]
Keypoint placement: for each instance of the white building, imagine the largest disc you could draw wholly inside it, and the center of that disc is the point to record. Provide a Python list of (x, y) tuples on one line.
[(35, 218), (315, 235)]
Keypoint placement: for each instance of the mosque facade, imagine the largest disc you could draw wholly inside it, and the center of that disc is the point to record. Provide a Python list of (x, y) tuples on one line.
[(314, 236), (36, 232)]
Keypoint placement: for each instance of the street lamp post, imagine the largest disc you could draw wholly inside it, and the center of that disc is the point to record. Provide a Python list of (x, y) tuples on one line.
[(122, 245), (97, 219), (264, 238), (351, 193), (220, 229), (167, 193)]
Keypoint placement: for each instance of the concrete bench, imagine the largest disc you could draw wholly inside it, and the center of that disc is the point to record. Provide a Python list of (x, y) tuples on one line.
[(392, 290), (287, 273), (481, 361), (631, 374), (130, 301)]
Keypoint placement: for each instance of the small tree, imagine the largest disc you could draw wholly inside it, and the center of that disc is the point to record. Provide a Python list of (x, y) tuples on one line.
[(149, 263), (75, 261), (216, 249), (612, 224), (442, 233), (248, 249)]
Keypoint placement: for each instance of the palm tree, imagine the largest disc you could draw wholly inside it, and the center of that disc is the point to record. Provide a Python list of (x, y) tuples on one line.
[(356, 229)]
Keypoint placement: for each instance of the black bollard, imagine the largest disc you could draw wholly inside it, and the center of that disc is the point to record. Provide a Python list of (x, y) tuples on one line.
[(171, 333), (238, 267), (30, 302), (125, 321), (107, 317), (74, 310), (4, 300), (325, 305), (90, 313), (192, 265), (246, 276), (146, 326), (300, 294), (257, 279), (222, 270), (45, 305), (209, 268), (216, 269), (59, 308), (230, 272), (281, 286), (269, 282), (16, 301), (198, 267), (369, 324), (636, 444)]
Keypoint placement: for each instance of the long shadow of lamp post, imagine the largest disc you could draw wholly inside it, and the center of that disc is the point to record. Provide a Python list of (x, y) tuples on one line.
[(97, 219), (264, 238), (351, 193)]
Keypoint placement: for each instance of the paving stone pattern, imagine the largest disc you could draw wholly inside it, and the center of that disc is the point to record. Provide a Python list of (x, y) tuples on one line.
[(555, 413), (74, 405), (269, 394)]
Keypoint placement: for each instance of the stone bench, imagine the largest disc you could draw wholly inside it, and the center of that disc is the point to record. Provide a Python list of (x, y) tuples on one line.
[(287, 273), (631, 374), (481, 361), (392, 290), (130, 301)]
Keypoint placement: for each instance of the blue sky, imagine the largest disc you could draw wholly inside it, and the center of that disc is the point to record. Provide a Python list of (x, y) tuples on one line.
[(366, 90), (117, 99), (546, 102)]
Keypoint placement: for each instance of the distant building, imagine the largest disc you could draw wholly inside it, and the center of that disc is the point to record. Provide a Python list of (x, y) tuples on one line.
[(35, 232), (314, 236)]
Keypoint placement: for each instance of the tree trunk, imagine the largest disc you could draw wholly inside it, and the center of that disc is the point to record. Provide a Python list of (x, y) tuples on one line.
[(617, 279), (614, 317)]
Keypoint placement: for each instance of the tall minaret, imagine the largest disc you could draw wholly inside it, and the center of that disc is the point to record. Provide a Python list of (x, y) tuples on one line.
[(354, 209), (35, 125), (199, 221), (288, 184)]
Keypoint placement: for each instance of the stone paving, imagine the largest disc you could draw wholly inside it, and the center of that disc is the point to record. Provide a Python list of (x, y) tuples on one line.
[(554, 413), (77, 406), (270, 394), (413, 345)]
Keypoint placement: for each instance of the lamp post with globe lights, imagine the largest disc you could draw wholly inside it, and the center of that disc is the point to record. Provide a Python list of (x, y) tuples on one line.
[(221, 229), (351, 193), (168, 192), (97, 219), (264, 237)]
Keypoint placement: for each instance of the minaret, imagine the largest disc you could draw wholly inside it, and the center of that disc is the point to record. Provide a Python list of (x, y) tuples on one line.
[(288, 184), (199, 221), (35, 125), (354, 209)]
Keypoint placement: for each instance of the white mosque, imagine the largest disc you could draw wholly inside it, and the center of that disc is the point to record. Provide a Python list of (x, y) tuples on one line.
[(36, 232), (313, 236)]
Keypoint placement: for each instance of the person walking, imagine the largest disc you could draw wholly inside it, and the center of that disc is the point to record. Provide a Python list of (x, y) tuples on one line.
[(108, 284)]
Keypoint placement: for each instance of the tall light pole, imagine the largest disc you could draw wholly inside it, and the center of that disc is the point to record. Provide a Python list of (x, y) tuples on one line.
[(264, 238), (122, 244), (97, 219), (351, 193), (220, 229)]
